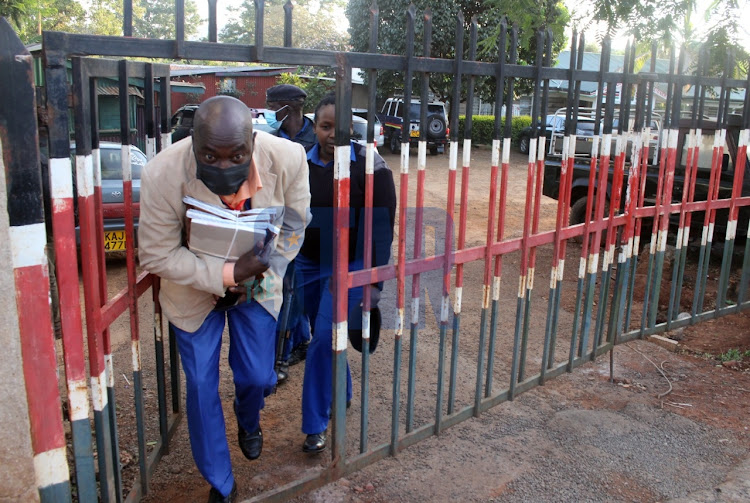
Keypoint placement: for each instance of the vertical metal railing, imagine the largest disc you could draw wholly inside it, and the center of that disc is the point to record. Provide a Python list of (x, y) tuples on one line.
[(20, 149), (621, 203)]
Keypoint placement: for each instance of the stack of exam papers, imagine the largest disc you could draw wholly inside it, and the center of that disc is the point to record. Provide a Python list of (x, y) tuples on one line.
[(225, 233)]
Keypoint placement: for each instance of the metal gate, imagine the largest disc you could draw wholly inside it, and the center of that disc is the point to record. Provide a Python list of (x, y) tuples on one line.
[(640, 185)]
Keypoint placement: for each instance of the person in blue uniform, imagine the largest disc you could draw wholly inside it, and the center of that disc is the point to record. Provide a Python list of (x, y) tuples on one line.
[(314, 262), (285, 103)]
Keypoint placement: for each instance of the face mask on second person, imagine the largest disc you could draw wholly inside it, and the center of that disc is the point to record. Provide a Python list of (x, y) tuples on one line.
[(270, 116)]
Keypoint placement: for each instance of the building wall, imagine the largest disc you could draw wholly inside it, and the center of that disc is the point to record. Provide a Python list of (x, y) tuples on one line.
[(252, 89)]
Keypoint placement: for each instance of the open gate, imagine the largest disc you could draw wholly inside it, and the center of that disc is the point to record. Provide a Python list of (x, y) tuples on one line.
[(637, 190)]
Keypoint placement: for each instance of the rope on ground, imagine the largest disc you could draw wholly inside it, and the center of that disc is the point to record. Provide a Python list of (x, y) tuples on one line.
[(661, 395)]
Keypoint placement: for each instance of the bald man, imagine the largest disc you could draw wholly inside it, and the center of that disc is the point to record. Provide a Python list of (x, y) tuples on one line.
[(223, 163)]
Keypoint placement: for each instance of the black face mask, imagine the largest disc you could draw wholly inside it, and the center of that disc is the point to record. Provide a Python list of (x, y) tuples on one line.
[(223, 182)]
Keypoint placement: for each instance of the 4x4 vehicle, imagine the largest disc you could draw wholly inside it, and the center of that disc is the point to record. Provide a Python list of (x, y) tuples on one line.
[(553, 123), (585, 127), (730, 164), (392, 113), (182, 122)]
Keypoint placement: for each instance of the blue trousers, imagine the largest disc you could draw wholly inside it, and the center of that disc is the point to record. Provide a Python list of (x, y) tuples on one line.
[(313, 281), (251, 358)]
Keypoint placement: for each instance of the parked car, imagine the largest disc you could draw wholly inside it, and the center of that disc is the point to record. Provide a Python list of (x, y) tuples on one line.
[(113, 207), (730, 163), (182, 122), (553, 123), (379, 129), (437, 124), (359, 131)]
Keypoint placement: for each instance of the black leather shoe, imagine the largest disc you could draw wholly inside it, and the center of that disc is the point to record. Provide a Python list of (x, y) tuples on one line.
[(214, 496), (282, 372), (299, 353), (251, 444), (315, 443)]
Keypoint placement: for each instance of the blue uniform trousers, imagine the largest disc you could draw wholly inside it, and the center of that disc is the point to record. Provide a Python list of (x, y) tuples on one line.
[(251, 358), (313, 281)]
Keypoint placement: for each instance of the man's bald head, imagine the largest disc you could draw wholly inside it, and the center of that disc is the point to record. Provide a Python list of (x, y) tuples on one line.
[(222, 119)]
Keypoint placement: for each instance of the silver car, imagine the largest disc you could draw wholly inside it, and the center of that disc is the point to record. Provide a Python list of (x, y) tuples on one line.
[(113, 207)]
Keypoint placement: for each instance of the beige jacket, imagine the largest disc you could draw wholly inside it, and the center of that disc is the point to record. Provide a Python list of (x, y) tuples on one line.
[(190, 280)]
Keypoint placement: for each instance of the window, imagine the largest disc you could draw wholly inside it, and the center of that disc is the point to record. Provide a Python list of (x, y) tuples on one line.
[(705, 154), (112, 163)]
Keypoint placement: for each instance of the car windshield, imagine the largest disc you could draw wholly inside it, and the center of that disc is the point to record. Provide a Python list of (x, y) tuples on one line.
[(112, 163)]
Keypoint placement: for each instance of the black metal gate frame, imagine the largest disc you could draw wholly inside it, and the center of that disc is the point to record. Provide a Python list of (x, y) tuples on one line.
[(621, 225)]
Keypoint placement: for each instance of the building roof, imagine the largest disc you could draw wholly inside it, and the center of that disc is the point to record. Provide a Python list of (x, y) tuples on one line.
[(177, 70)]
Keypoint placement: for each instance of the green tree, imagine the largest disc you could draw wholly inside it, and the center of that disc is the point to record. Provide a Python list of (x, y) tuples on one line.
[(315, 87), (55, 15), (15, 10), (530, 16), (158, 20), (105, 17), (670, 23), (314, 24)]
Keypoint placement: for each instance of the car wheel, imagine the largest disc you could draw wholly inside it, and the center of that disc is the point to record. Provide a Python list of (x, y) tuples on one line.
[(395, 144), (436, 127), (434, 150), (578, 213), (523, 145)]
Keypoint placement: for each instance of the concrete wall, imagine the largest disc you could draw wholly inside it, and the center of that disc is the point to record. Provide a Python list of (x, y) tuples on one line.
[(17, 482)]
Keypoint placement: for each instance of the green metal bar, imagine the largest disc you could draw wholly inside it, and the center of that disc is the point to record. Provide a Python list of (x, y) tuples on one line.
[(440, 377), (140, 429), (631, 286), (587, 312), (547, 335), (745, 276), (365, 390), (649, 277), (525, 332), (412, 377), (516, 339), (454, 362), (396, 402), (491, 346), (602, 306)]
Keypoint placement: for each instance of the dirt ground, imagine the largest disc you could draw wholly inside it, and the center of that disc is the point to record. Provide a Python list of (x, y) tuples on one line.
[(671, 426)]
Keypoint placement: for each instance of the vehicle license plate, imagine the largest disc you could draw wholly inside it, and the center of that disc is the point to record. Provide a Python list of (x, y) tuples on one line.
[(414, 134), (114, 240)]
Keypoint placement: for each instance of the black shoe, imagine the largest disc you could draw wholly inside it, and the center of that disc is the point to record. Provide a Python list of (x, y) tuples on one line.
[(214, 496), (299, 353), (282, 372), (251, 444), (315, 443)]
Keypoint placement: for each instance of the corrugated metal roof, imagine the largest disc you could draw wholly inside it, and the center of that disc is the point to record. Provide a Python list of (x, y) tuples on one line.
[(182, 70), (109, 90), (592, 61)]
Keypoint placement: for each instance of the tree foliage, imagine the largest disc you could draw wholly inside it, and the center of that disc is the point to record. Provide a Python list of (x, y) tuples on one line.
[(672, 24), (15, 10), (314, 24), (56, 15), (529, 15), (315, 87), (158, 20)]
